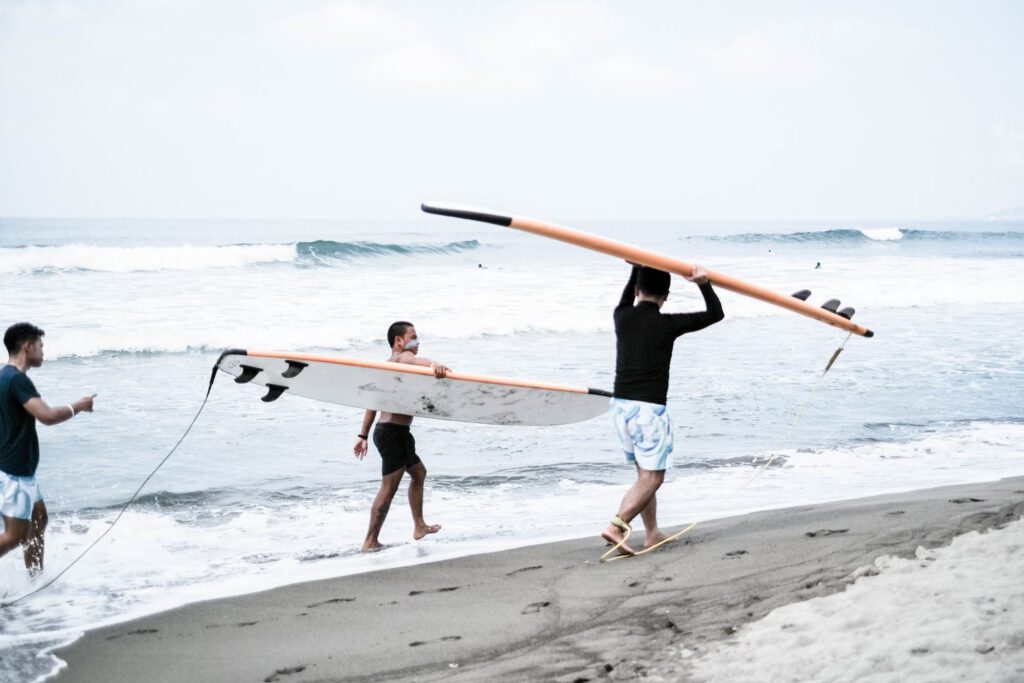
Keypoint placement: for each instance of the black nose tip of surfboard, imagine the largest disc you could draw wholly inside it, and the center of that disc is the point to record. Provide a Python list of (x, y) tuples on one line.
[(467, 212)]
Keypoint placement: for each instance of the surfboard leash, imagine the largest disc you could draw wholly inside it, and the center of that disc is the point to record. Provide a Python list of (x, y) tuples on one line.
[(124, 508), (774, 454)]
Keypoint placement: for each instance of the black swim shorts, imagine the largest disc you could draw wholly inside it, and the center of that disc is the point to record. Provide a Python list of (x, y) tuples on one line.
[(396, 445)]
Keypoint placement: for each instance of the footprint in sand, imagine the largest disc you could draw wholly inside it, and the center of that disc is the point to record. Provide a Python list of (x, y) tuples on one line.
[(959, 501), (894, 513), (418, 643), (824, 532), (736, 553), (276, 676), (436, 590), (525, 569), (331, 601), (535, 607), (137, 632)]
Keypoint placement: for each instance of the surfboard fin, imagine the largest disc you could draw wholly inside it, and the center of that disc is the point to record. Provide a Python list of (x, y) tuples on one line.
[(846, 312), (274, 391), (831, 305), (248, 372), (802, 294), (294, 368)]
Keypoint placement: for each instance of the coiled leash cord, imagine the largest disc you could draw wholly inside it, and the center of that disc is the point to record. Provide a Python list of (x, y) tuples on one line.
[(627, 529), (124, 508)]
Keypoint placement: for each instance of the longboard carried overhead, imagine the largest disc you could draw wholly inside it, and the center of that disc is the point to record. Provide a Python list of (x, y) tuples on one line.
[(413, 390), (827, 313)]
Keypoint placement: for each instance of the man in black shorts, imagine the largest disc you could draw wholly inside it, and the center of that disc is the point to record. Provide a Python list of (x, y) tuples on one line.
[(397, 446)]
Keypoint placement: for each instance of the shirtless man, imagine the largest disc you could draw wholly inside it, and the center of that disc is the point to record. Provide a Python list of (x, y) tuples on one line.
[(397, 446)]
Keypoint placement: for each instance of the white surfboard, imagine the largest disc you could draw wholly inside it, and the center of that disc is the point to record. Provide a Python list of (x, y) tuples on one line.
[(413, 389)]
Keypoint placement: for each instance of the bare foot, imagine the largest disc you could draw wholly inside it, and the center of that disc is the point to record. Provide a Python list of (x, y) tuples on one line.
[(614, 535), (653, 538), (371, 547), (425, 529)]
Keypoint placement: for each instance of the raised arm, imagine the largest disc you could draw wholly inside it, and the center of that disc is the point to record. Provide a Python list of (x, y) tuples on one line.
[(691, 322), (629, 292)]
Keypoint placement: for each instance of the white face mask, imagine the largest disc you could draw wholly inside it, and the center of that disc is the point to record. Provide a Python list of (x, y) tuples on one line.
[(412, 345)]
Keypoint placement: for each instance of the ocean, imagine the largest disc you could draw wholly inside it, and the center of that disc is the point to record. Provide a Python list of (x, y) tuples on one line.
[(260, 495)]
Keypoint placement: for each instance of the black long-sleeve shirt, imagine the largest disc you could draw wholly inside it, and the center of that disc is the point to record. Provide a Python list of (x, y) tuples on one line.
[(644, 340)]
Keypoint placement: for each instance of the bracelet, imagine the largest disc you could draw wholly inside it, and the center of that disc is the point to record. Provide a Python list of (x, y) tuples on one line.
[(363, 437), (72, 409)]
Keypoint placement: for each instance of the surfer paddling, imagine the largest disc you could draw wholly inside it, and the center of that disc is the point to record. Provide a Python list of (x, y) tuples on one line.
[(21, 501), (644, 340), (397, 446)]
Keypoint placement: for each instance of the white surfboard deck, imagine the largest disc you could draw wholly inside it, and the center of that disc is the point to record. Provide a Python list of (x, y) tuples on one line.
[(413, 390)]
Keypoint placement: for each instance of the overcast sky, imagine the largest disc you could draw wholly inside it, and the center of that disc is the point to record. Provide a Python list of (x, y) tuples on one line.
[(350, 109)]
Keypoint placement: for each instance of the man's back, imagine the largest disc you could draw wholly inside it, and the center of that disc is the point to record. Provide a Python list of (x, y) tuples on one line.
[(644, 341)]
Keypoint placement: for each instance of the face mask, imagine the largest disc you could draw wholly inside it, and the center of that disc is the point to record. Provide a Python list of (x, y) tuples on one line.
[(412, 344)]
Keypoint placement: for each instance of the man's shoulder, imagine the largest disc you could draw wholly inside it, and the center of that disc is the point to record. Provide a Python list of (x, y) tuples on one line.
[(14, 378), (9, 373)]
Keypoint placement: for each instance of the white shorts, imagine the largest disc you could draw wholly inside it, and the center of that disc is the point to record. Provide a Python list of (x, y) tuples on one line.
[(645, 433), (18, 496)]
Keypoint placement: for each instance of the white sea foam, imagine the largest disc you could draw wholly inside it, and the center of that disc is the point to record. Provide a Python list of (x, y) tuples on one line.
[(142, 259), (883, 234), (333, 308)]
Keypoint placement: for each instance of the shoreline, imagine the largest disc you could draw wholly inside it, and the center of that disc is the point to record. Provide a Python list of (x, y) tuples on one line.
[(549, 611)]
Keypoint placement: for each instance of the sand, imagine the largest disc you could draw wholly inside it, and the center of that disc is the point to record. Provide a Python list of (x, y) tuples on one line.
[(547, 612)]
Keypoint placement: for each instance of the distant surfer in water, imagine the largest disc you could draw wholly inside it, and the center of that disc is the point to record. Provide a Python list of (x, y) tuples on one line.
[(397, 446), (21, 501), (644, 340)]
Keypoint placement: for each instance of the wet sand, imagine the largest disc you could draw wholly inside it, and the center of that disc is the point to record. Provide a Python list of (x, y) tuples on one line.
[(547, 612)]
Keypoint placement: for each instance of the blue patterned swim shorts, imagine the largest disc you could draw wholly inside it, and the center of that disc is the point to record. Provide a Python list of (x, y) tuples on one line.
[(645, 433), (18, 495)]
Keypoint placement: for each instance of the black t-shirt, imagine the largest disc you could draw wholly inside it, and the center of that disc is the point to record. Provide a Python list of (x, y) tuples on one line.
[(19, 445), (644, 338)]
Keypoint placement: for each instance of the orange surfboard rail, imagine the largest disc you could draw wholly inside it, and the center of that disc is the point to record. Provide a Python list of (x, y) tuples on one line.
[(645, 257), (423, 370)]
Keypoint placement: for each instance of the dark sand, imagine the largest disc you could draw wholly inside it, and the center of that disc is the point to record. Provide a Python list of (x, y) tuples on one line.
[(548, 612)]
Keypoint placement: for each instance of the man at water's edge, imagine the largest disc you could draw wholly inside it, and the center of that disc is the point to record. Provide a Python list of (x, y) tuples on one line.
[(644, 340), (21, 501), (397, 446)]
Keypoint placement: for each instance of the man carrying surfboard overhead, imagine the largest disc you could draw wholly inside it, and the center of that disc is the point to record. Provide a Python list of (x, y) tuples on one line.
[(644, 339), (396, 445)]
